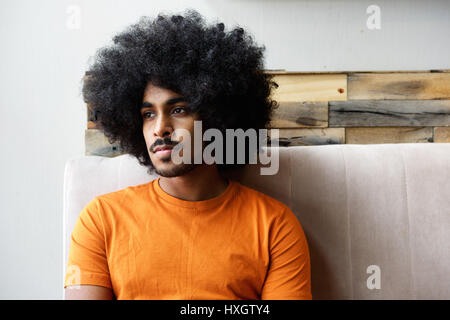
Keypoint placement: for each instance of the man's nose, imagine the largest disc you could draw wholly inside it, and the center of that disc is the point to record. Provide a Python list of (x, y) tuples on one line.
[(163, 126)]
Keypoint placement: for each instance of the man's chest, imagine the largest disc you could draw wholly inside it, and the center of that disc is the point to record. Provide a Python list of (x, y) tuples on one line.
[(188, 259)]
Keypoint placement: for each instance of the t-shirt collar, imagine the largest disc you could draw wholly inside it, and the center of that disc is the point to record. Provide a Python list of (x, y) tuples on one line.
[(199, 205)]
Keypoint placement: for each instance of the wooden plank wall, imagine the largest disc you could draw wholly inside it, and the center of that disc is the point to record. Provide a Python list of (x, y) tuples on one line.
[(349, 107), (363, 108)]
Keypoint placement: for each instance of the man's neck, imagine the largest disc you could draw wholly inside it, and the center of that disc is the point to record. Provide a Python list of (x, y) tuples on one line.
[(202, 183)]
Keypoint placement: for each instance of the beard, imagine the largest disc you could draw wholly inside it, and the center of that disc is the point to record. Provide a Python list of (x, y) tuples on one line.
[(168, 169), (175, 170)]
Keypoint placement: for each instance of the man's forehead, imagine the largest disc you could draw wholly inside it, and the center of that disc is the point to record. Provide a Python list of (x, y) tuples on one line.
[(154, 93), (153, 87), (169, 101)]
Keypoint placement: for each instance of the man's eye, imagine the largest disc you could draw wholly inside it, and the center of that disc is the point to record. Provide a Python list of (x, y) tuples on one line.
[(179, 110), (147, 114)]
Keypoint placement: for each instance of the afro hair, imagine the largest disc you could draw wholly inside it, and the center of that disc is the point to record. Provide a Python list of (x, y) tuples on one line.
[(219, 72)]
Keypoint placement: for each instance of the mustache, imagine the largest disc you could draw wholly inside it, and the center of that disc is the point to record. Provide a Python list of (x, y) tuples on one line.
[(165, 141)]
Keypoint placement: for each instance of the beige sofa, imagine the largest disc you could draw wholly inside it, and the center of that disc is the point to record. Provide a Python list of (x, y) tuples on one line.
[(377, 217)]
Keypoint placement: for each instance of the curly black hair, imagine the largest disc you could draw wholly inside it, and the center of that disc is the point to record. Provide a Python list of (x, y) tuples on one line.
[(220, 74)]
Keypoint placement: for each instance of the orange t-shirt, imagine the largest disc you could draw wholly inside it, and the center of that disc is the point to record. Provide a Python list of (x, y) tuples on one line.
[(146, 244)]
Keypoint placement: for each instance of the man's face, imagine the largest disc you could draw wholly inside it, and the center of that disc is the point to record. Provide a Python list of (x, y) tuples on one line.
[(163, 111)]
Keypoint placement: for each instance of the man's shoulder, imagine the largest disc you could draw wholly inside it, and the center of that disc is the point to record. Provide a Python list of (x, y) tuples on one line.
[(254, 196), (133, 192)]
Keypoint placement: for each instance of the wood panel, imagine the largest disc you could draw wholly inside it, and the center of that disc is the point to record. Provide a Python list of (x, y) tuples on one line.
[(91, 125), (90, 114), (388, 135), (91, 118), (98, 145), (284, 71), (420, 86), (309, 137), (441, 134), (300, 114), (389, 113), (310, 87)]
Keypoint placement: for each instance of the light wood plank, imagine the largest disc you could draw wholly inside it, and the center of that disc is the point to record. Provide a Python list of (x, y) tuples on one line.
[(420, 86), (441, 134), (310, 87), (389, 113), (91, 125), (300, 114), (388, 135)]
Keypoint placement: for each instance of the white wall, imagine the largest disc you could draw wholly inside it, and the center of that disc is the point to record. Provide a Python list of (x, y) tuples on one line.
[(43, 117)]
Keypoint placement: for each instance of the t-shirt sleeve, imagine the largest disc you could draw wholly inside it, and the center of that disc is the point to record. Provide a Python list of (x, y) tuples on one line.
[(289, 271), (87, 263)]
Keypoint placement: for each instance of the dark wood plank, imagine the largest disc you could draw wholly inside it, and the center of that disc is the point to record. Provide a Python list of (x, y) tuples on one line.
[(90, 114), (389, 113), (300, 114), (98, 145), (310, 137)]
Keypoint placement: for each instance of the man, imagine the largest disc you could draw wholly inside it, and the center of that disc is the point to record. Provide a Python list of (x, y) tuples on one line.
[(192, 233)]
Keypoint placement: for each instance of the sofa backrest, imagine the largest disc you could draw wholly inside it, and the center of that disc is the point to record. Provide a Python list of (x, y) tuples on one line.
[(376, 217)]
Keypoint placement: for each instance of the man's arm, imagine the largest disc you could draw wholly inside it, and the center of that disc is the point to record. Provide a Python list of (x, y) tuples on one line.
[(289, 274), (87, 272), (88, 292)]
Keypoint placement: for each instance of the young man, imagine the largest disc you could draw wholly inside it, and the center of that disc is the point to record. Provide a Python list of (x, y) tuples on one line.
[(191, 233)]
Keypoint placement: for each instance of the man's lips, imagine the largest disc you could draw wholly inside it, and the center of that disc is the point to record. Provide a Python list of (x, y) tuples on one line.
[(163, 150), (158, 149), (163, 153)]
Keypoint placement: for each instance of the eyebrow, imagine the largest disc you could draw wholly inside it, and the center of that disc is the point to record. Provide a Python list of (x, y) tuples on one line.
[(168, 102)]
